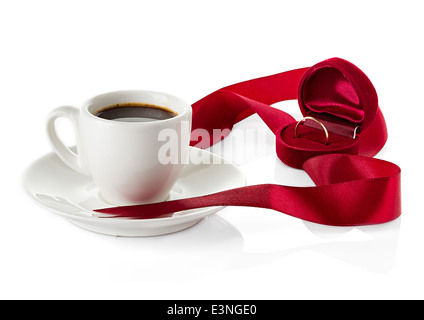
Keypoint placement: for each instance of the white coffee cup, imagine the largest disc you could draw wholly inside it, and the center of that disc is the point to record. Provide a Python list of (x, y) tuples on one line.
[(123, 157)]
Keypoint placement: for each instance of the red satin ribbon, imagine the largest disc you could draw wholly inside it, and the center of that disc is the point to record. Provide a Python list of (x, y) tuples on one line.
[(351, 189)]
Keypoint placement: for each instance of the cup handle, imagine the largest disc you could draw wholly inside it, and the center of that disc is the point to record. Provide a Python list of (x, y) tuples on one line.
[(69, 157)]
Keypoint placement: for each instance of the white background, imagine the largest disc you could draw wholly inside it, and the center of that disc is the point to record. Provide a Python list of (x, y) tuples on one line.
[(63, 52)]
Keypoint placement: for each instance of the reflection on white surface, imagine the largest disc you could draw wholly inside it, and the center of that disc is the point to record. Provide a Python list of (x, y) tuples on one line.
[(376, 254), (372, 247), (214, 245)]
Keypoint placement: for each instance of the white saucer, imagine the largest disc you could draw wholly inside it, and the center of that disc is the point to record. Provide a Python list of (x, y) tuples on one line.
[(74, 196)]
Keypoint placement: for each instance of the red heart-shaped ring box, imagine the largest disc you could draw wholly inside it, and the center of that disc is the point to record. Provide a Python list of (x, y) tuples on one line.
[(341, 98)]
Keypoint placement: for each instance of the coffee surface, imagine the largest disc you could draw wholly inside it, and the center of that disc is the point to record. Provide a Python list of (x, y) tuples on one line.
[(135, 112)]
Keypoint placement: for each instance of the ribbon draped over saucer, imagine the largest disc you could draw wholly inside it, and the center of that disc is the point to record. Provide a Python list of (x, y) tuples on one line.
[(352, 188)]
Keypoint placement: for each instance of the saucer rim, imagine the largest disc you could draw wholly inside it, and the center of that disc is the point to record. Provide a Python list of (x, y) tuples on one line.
[(93, 215)]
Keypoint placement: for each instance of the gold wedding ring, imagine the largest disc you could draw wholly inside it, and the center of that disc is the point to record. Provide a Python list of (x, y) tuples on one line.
[(317, 121)]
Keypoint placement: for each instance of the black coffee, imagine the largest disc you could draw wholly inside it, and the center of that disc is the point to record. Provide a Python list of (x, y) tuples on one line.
[(135, 112)]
